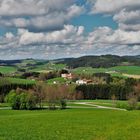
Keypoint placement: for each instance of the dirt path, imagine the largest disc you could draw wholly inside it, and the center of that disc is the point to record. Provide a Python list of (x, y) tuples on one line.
[(80, 107), (99, 106)]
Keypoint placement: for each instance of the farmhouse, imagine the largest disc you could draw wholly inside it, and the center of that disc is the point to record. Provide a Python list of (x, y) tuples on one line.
[(81, 82), (67, 75)]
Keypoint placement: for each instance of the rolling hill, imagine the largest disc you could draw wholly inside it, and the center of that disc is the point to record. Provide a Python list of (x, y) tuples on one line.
[(103, 61)]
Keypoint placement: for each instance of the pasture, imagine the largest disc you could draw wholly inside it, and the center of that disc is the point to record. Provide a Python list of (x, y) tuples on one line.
[(122, 71), (7, 69), (58, 80), (21, 81), (70, 124)]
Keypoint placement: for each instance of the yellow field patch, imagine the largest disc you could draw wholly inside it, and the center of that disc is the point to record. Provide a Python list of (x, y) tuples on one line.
[(132, 76)]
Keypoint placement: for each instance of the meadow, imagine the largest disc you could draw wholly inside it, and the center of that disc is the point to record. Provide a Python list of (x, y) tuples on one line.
[(70, 124), (21, 81), (7, 69), (114, 71)]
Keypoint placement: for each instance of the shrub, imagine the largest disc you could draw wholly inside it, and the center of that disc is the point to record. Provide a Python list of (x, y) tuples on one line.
[(63, 104), (23, 101), (132, 103), (31, 101)]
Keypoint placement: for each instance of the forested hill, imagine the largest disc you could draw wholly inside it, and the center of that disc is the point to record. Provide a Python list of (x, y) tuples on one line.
[(85, 61), (9, 62), (101, 61)]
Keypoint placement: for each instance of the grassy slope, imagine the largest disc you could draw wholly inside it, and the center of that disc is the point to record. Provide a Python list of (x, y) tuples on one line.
[(49, 67), (134, 70), (21, 81), (127, 69), (57, 80), (70, 124), (7, 69)]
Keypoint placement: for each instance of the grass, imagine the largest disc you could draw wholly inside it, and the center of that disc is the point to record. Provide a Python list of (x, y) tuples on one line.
[(21, 81), (120, 70), (4, 105), (105, 103), (7, 69), (48, 67), (127, 69), (59, 80), (70, 124)]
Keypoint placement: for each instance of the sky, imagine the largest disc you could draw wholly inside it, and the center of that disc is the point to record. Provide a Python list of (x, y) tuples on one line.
[(51, 29)]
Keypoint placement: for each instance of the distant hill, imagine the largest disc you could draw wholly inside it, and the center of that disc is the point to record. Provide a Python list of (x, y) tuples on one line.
[(22, 62), (101, 61), (9, 62), (104, 61)]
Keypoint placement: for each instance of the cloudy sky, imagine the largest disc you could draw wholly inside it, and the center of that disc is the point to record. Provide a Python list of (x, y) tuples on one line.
[(50, 29)]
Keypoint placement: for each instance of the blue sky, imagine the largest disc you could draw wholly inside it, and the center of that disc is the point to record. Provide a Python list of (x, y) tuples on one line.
[(54, 29), (91, 22)]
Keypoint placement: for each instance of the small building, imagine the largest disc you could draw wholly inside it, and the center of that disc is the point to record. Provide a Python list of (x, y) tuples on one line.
[(81, 82), (67, 75)]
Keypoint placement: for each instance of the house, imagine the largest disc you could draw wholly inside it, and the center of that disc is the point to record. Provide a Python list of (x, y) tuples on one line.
[(81, 82), (67, 75)]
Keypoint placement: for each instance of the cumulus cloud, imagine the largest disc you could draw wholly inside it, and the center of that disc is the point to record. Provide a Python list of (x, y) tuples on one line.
[(68, 35), (112, 6), (36, 15), (43, 29), (105, 40), (105, 35), (61, 43), (126, 13), (31, 7)]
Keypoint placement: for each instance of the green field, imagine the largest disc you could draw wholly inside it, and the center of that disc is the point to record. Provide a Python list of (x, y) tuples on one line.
[(7, 69), (127, 69), (70, 124), (58, 80), (133, 70), (20, 81)]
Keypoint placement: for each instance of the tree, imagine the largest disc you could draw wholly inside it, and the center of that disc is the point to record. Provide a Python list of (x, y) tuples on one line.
[(21, 100), (39, 91), (13, 99), (132, 102)]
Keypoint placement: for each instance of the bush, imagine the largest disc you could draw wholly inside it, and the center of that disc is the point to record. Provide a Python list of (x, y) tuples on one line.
[(132, 103), (31, 101), (63, 104)]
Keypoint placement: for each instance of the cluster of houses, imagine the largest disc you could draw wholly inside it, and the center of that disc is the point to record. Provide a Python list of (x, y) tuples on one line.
[(78, 82)]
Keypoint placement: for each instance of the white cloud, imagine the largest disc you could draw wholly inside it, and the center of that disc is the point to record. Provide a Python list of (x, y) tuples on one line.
[(126, 13), (113, 6), (43, 30), (105, 35), (68, 35), (38, 15), (31, 7)]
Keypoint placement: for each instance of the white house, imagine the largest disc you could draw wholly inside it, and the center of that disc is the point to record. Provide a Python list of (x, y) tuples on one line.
[(81, 82), (68, 76)]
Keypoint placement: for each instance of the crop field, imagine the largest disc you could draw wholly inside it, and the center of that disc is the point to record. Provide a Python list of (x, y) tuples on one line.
[(70, 124), (7, 69)]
